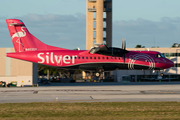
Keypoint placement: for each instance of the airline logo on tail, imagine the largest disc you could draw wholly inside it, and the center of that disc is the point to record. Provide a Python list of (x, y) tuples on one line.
[(19, 35)]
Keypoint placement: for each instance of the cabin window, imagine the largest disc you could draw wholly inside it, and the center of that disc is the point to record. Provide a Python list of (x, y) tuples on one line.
[(103, 57), (86, 57), (94, 57), (119, 58), (75, 57), (127, 58), (111, 57), (115, 58), (82, 57), (79, 57), (98, 57), (107, 58), (90, 57)]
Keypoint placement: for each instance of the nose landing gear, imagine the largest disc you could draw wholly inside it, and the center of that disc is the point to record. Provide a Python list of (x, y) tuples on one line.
[(161, 73)]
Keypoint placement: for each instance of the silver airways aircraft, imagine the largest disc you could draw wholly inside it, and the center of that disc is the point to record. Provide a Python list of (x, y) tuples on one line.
[(98, 59)]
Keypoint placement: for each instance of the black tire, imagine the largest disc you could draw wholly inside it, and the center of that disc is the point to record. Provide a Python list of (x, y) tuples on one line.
[(97, 74), (161, 74)]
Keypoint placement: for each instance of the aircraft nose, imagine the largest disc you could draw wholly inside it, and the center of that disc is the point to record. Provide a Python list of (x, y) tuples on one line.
[(170, 63)]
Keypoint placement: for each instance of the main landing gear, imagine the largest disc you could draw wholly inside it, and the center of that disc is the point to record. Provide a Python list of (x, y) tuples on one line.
[(97, 74)]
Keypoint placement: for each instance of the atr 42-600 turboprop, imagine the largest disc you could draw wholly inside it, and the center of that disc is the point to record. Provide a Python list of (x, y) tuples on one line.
[(98, 59)]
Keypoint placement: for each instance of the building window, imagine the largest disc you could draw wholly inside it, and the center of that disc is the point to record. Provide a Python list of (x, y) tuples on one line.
[(177, 65), (171, 54)]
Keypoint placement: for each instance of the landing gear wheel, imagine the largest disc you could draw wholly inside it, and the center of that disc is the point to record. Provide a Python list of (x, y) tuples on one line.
[(97, 74), (161, 74)]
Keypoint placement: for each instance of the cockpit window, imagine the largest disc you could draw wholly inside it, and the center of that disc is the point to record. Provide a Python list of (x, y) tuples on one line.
[(159, 56), (162, 55)]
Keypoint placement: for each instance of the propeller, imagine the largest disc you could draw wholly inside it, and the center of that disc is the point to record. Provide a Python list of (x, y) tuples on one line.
[(124, 44), (124, 48)]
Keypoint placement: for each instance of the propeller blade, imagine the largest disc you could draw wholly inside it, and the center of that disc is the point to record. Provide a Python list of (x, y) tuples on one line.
[(122, 44)]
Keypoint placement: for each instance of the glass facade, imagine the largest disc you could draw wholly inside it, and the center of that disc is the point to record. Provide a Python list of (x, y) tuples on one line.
[(155, 78)]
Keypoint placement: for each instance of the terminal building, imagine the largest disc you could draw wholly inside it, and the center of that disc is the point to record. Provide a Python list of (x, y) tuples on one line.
[(13, 70)]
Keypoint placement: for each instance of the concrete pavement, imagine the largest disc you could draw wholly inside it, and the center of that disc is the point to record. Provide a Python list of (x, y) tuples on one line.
[(92, 92)]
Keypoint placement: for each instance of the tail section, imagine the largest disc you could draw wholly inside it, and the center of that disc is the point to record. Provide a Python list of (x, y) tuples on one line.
[(23, 40)]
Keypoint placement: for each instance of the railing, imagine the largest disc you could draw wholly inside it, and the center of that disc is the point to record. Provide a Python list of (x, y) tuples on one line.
[(107, 0), (96, 0), (92, 0), (92, 9), (104, 19), (104, 39), (107, 9), (104, 29)]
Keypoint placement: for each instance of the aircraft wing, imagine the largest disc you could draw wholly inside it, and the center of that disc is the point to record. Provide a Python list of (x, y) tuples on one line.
[(110, 51)]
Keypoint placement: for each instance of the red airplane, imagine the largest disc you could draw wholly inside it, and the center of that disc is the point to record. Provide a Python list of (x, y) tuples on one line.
[(98, 59)]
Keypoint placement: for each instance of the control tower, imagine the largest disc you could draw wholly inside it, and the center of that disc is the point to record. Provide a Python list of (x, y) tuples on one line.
[(98, 22)]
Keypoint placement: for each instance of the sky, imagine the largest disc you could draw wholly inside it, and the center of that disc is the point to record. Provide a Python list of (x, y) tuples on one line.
[(62, 23)]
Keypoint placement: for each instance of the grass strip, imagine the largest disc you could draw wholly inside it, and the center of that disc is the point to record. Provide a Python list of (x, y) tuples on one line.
[(90, 111)]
